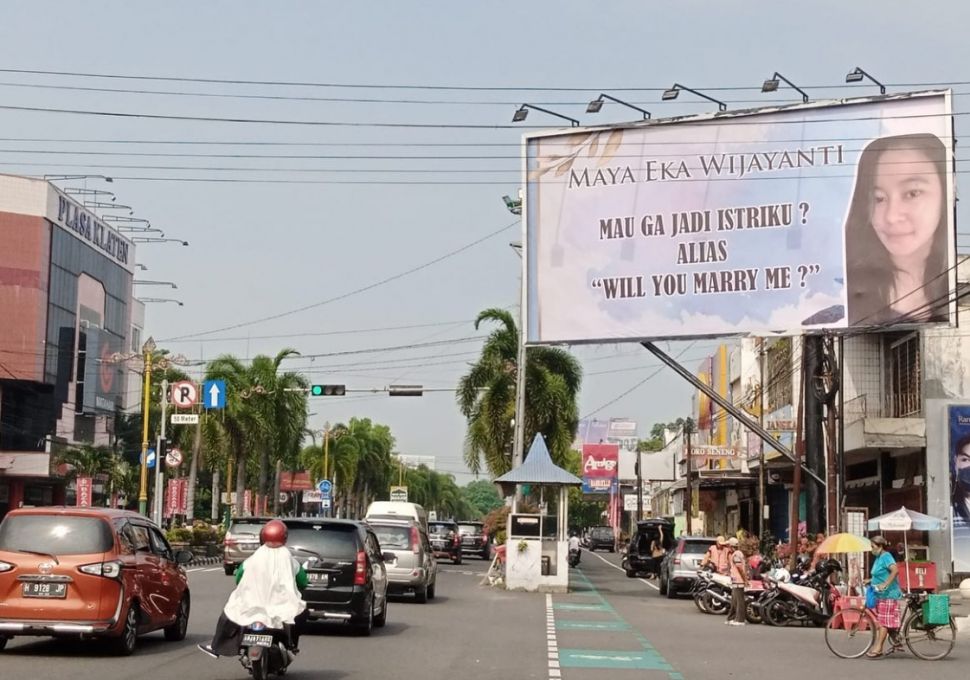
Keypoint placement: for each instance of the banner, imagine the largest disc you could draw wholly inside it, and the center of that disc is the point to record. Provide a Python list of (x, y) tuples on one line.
[(794, 219), (171, 498), (85, 491), (600, 466), (295, 481), (959, 448)]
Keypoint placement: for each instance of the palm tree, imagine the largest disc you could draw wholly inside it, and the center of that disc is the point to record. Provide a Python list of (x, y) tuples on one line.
[(486, 397)]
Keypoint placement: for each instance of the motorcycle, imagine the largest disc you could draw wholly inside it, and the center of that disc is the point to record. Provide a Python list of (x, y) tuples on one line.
[(263, 651), (574, 557), (713, 596), (805, 599)]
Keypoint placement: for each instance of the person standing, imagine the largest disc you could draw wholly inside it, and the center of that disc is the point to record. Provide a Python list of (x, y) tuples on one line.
[(885, 580), (739, 581)]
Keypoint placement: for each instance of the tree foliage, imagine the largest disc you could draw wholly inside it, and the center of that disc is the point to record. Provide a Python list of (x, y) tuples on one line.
[(486, 397)]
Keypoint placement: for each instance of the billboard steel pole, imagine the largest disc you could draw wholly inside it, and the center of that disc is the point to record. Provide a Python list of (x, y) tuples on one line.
[(743, 417)]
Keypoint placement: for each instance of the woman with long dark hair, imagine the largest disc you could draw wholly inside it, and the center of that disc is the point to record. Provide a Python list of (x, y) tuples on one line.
[(896, 233)]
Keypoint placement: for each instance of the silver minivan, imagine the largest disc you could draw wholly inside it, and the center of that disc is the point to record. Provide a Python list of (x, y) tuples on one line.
[(412, 567)]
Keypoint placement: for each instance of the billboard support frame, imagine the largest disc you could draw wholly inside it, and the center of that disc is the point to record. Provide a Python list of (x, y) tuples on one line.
[(743, 417)]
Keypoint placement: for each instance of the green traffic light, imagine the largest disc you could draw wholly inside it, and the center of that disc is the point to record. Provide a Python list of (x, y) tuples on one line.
[(316, 390)]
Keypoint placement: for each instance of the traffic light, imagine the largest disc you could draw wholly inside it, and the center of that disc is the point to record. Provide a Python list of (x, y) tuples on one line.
[(328, 390)]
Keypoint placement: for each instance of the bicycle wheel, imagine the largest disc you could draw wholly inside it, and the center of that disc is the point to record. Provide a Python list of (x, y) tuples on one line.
[(929, 642), (850, 633)]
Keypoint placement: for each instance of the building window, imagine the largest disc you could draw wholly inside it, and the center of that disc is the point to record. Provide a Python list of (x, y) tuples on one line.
[(136, 339), (778, 381), (904, 393)]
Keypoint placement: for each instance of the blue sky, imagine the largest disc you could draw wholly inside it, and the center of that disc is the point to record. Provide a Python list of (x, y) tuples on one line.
[(259, 249)]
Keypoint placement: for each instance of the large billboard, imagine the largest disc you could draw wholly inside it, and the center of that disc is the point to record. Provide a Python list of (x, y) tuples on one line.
[(959, 454), (600, 467), (790, 219)]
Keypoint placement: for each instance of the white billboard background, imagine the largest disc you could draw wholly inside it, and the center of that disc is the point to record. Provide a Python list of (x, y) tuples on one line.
[(578, 180)]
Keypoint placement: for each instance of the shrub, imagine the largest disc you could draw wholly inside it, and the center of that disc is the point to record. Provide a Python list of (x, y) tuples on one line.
[(203, 533), (179, 535)]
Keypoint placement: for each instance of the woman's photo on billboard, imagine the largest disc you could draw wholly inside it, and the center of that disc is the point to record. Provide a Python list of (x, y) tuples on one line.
[(896, 233)]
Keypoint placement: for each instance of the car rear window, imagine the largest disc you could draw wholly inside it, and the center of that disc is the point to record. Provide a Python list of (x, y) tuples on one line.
[(470, 528), (391, 537), (602, 532), (327, 540), (55, 535), (440, 528), (699, 547), (246, 527)]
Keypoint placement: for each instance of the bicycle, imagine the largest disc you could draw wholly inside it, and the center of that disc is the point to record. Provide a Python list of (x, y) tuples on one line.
[(851, 632)]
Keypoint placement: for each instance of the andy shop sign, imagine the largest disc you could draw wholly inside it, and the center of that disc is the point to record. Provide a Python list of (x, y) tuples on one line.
[(600, 465)]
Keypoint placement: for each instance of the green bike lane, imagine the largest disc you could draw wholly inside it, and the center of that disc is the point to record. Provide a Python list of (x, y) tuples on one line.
[(617, 627)]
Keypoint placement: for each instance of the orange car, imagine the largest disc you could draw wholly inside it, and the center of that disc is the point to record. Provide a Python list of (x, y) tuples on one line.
[(91, 572)]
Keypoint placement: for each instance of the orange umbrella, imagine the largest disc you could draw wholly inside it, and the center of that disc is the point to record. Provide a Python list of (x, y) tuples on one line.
[(844, 543)]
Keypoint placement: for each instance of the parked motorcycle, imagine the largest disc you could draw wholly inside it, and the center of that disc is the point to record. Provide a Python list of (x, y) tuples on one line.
[(713, 596), (263, 651), (803, 599)]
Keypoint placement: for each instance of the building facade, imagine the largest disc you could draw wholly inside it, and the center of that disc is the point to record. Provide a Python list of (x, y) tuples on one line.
[(66, 303)]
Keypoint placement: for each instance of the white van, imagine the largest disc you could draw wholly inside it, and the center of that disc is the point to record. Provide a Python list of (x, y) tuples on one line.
[(397, 510)]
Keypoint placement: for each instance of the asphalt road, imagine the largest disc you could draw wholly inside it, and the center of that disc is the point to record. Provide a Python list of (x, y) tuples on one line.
[(608, 626), (466, 629)]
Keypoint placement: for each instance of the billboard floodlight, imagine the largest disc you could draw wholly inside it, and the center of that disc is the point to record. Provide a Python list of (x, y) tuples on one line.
[(523, 112), (857, 75), (672, 93), (596, 105), (771, 85)]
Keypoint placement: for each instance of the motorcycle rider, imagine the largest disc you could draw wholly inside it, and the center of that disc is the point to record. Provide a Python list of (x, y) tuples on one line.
[(574, 546), (268, 586)]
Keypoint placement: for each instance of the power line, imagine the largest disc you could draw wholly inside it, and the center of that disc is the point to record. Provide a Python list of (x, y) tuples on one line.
[(356, 291)]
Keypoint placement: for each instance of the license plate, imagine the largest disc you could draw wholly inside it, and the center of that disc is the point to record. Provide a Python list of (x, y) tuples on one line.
[(253, 640), (46, 590), (318, 578)]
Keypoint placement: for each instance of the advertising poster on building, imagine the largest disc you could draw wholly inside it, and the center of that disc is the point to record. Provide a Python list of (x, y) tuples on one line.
[(85, 491), (791, 219), (600, 464), (959, 454)]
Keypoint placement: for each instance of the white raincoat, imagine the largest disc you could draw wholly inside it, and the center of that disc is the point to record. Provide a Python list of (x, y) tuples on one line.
[(267, 591)]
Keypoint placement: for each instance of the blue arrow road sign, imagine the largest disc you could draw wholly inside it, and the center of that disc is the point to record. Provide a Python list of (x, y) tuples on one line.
[(151, 458), (214, 393), (325, 487)]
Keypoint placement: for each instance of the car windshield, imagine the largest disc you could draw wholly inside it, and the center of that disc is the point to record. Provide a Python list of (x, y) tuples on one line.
[(697, 547), (55, 535), (331, 541), (470, 528), (247, 528), (391, 537)]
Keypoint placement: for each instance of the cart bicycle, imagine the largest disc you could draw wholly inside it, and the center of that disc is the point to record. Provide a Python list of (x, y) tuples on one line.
[(851, 632)]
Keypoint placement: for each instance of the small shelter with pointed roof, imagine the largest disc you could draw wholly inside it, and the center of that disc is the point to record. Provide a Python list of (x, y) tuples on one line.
[(537, 545)]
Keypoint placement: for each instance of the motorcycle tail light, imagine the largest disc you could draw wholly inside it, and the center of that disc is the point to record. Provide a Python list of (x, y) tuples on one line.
[(258, 626)]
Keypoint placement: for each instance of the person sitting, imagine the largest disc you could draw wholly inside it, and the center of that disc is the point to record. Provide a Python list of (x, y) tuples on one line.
[(268, 586)]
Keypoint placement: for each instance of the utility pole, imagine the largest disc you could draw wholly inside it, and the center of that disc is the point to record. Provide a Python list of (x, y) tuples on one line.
[(797, 474), (639, 488), (147, 349), (761, 454), (160, 450), (326, 460), (690, 484)]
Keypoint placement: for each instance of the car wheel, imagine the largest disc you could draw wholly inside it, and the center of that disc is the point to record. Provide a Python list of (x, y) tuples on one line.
[(456, 560), (663, 587), (630, 573), (364, 629), (612, 549), (671, 591), (421, 595), (124, 644), (3, 642), (229, 569), (381, 619), (176, 632)]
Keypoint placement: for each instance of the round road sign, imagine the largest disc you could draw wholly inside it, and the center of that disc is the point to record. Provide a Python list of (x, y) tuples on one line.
[(173, 458), (184, 394)]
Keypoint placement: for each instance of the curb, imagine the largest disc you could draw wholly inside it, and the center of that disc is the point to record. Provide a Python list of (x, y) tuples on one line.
[(204, 561)]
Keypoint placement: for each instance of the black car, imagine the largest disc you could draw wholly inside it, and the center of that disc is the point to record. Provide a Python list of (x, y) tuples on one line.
[(445, 540), (474, 539), (346, 572), (650, 534), (603, 538)]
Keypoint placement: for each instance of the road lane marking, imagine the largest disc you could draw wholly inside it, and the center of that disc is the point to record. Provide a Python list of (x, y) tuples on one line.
[(552, 645), (641, 580)]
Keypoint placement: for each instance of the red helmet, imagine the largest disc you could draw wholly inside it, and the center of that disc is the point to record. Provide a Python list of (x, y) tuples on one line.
[(273, 534)]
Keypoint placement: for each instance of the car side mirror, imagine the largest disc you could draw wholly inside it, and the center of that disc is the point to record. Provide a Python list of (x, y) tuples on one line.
[(184, 557), (388, 556)]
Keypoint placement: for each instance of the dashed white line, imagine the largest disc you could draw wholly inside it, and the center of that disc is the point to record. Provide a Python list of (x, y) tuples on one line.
[(641, 580), (552, 646)]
